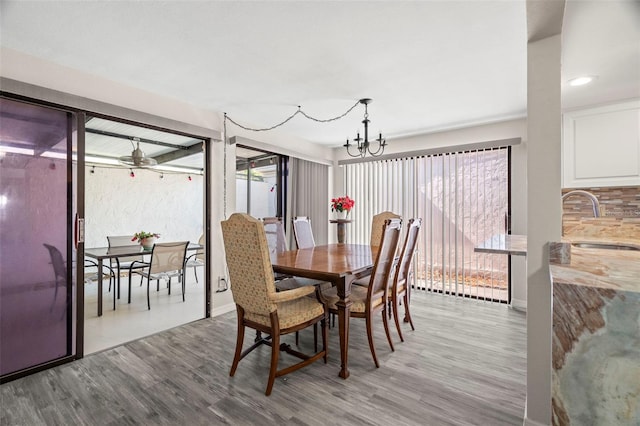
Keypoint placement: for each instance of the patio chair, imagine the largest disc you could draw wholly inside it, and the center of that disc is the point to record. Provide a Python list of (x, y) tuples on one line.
[(124, 265), (167, 261), (259, 306), (197, 259)]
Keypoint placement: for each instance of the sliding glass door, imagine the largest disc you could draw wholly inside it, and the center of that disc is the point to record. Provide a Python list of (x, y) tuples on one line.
[(463, 200), (36, 250), (259, 180)]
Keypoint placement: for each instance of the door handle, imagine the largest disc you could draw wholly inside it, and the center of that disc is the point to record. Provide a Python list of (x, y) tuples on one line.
[(78, 234)]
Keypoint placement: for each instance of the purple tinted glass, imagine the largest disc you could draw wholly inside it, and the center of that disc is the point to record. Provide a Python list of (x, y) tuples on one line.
[(34, 279)]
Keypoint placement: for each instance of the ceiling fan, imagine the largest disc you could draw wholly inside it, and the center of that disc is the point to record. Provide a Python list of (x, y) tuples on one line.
[(137, 157)]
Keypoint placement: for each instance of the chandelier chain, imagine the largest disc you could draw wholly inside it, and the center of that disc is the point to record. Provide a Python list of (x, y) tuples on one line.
[(299, 111)]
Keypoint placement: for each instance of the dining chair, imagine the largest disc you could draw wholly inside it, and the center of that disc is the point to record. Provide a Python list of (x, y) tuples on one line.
[(167, 261), (303, 233), (197, 259), (401, 288), (367, 301), (124, 265), (377, 223), (277, 243), (259, 306)]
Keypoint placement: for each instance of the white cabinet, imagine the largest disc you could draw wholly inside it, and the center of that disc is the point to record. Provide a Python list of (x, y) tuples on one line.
[(601, 146)]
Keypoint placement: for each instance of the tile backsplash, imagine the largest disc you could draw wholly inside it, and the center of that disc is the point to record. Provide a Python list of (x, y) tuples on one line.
[(620, 213)]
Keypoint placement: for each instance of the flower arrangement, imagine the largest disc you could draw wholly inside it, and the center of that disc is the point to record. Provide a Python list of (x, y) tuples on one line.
[(142, 235), (342, 204)]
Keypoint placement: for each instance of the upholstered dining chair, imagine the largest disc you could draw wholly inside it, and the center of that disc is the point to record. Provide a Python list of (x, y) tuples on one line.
[(124, 265), (197, 259), (367, 301), (377, 223), (167, 261), (303, 233), (259, 306), (277, 243), (401, 288)]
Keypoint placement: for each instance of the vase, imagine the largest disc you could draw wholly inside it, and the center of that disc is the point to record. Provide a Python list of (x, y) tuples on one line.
[(342, 215), (147, 243)]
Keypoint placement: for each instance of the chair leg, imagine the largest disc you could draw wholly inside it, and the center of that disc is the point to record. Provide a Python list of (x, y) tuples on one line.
[(369, 322), (148, 299), (275, 352), (394, 305), (297, 339), (183, 287), (195, 272), (407, 314), (239, 340), (385, 321), (325, 325), (315, 337), (129, 297)]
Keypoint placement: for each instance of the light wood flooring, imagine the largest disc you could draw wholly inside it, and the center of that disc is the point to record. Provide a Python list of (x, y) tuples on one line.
[(464, 365)]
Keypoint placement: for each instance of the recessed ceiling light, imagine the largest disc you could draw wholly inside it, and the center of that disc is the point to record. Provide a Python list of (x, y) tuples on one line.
[(581, 81)]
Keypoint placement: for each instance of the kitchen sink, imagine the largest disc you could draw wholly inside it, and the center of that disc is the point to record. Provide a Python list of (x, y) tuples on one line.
[(607, 246)]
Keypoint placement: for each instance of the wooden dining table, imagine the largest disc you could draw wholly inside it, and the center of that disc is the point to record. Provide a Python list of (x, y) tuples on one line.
[(339, 264)]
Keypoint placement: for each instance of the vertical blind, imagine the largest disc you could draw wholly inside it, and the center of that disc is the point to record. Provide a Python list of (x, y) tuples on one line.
[(462, 199), (308, 195)]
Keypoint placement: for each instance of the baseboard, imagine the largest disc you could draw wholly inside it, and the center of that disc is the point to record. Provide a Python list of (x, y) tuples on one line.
[(529, 422), (223, 309), (519, 304)]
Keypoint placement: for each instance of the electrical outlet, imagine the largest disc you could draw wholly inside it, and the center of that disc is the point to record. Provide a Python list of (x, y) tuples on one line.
[(222, 284)]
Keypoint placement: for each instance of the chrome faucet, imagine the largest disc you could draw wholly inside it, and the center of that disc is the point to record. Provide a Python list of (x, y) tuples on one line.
[(590, 196)]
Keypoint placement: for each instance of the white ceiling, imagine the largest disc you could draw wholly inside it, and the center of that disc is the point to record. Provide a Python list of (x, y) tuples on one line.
[(428, 65)]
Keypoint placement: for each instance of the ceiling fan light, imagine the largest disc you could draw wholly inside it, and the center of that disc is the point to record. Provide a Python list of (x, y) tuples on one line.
[(137, 159)]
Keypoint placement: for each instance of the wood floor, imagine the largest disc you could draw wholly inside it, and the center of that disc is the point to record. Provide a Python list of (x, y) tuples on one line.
[(464, 365)]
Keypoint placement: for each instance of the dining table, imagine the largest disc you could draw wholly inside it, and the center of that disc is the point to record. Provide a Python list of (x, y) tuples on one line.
[(115, 252), (339, 264)]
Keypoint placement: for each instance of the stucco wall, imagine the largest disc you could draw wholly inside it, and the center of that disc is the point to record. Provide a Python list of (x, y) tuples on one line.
[(117, 204)]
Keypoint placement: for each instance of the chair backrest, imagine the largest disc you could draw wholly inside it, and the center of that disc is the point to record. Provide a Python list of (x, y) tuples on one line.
[(249, 264), (385, 259), (121, 241), (276, 239), (200, 253), (408, 248), (303, 233), (57, 261), (377, 224), (166, 257)]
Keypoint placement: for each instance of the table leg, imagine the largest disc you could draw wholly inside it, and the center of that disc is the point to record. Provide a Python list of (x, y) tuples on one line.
[(344, 309), (99, 287)]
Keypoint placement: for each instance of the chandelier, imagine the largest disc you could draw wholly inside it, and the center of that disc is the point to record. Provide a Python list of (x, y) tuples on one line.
[(137, 157), (363, 145)]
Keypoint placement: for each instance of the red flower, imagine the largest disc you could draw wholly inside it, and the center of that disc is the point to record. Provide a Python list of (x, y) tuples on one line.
[(342, 204)]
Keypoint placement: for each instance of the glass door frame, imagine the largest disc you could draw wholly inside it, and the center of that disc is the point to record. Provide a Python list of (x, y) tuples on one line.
[(53, 99)]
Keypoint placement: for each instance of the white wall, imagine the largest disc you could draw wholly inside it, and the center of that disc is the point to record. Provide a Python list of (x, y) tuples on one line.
[(116, 204), (544, 217)]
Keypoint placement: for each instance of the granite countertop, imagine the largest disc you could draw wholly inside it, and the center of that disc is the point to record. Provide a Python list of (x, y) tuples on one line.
[(601, 268), (504, 244)]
